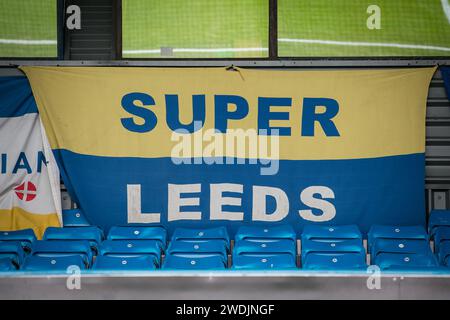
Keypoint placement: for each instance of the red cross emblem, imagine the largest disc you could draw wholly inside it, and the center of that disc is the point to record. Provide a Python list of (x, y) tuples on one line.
[(26, 191)]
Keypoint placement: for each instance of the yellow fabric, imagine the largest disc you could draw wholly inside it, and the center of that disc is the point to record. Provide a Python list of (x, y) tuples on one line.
[(17, 218), (382, 111)]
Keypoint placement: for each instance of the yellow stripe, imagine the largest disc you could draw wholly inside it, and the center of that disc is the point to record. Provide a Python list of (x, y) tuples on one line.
[(17, 218), (382, 112)]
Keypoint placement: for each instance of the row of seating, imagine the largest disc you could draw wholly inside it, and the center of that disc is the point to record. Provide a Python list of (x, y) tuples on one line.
[(147, 247)]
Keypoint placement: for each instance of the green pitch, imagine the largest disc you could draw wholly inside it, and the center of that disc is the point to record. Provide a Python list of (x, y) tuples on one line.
[(22, 23), (239, 28)]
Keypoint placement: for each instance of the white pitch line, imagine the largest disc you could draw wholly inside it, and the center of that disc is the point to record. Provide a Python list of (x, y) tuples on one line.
[(27, 42), (446, 8), (197, 50), (366, 44)]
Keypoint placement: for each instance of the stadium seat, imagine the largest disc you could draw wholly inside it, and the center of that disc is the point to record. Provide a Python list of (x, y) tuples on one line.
[(138, 233), (331, 247), (401, 246), (7, 265), (138, 263), (26, 237), (58, 263), (196, 235), (204, 263), (198, 249), (61, 248), (441, 235), (335, 261), (444, 253), (283, 232), (438, 218), (274, 262), (396, 232), (265, 249), (74, 218), (13, 251), (92, 234), (330, 233), (131, 248), (397, 261)]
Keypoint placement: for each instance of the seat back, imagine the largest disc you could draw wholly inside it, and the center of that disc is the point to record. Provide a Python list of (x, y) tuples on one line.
[(271, 262), (7, 265), (402, 246), (13, 251), (198, 249), (201, 263), (330, 247), (404, 261), (396, 232), (265, 249), (197, 235), (438, 218), (138, 233), (335, 261), (56, 263), (441, 235), (26, 237), (61, 248), (330, 233), (131, 248), (74, 218), (138, 263), (92, 234), (275, 233)]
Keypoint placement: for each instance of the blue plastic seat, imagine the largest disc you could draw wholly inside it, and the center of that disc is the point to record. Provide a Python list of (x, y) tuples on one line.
[(131, 248), (61, 248), (138, 233), (444, 253), (282, 232), (405, 261), (272, 262), (265, 249), (57, 263), (203, 263), (197, 235), (401, 246), (330, 247), (330, 233), (26, 237), (335, 261), (138, 263), (198, 249), (6, 264), (438, 218), (74, 218), (92, 234), (13, 251), (441, 235), (396, 232)]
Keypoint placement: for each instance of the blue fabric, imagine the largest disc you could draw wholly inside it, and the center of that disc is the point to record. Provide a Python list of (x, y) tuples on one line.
[(367, 191), (111, 263), (446, 77), (16, 97)]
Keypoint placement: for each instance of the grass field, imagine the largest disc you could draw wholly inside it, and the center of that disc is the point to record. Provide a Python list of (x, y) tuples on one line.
[(28, 28), (239, 28)]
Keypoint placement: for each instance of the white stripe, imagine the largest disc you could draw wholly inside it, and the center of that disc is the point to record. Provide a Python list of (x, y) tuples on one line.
[(366, 44), (27, 42), (446, 8), (198, 50)]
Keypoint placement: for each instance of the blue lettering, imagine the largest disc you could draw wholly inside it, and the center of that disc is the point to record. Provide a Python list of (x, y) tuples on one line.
[(128, 104)]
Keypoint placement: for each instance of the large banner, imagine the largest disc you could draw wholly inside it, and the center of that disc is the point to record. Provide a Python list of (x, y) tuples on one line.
[(215, 146), (29, 177)]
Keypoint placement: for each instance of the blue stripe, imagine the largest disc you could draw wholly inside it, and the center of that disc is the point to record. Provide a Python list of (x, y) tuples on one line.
[(16, 98), (387, 190)]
